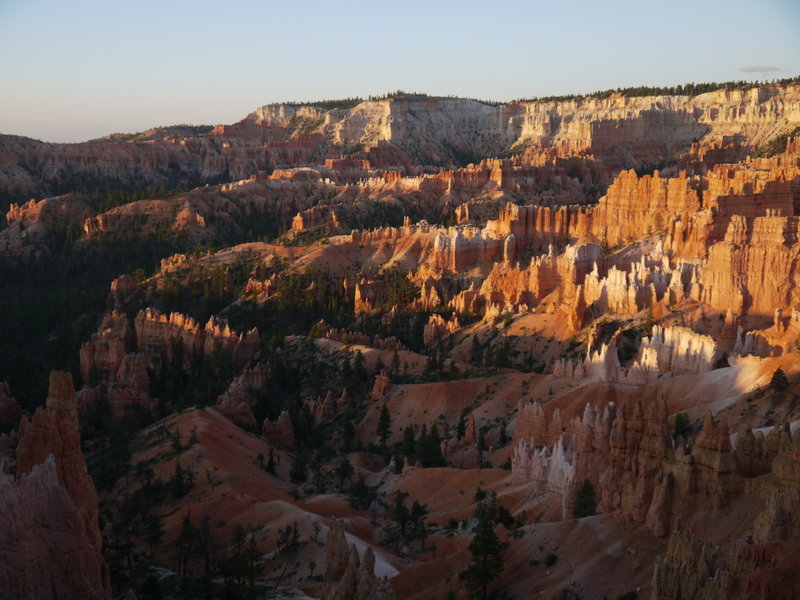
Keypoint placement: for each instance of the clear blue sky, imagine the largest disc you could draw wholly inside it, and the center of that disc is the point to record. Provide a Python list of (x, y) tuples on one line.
[(76, 69)]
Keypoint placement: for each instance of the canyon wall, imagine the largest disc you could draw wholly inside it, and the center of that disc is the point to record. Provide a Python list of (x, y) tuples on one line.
[(630, 131), (626, 132)]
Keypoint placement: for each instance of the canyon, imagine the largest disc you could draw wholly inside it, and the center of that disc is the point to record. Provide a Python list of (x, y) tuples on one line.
[(337, 340)]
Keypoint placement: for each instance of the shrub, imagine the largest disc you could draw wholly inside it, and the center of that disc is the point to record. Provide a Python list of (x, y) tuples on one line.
[(779, 382), (585, 503), (682, 425)]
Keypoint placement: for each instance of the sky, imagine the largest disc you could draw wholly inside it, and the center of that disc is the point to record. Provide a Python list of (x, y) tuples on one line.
[(72, 70)]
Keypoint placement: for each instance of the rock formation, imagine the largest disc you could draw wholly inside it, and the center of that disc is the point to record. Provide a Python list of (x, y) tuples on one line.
[(122, 289), (238, 400), (54, 430), (738, 570), (131, 385), (368, 295), (349, 576), (675, 350), (159, 336), (30, 224), (102, 356), (575, 457), (280, 431), (355, 337), (533, 423), (158, 340), (643, 475), (437, 328), (322, 408), (45, 550), (54, 493), (382, 386)]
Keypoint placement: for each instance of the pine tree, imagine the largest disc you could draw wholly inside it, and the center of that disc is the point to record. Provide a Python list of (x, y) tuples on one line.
[(779, 381), (344, 471), (399, 511), (379, 366), (298, 473), (430, 365), (416, 516), (487, 561), (502, 438), (361, 495), (408, 447), (384, 425), (234, 566), (271, 462), (359, 370), (348, 433), (489, 359), (422, 444), (585, 503), (346, 369), (477, 353), (288, 539), (683, 426), (253, 556), (433, 448), (184, 545)]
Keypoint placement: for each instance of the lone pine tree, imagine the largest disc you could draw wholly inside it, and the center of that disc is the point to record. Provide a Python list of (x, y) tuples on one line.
[(487, 561), (585, 503), (384, 425)]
